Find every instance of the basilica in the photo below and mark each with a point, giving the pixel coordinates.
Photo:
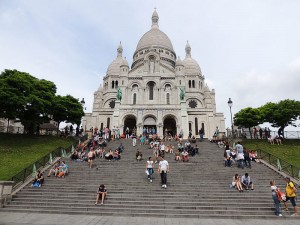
(159, 91)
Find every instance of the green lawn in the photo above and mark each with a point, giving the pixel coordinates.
(288, 151)
(19, 151)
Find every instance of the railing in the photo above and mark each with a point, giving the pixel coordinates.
(280, 164)
(42, 162)
(246, 134)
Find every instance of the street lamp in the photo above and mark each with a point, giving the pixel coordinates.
(230, 105)
(82, 102)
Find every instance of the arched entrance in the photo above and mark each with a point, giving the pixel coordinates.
(170, 126)
(150, 124)
(130, 122)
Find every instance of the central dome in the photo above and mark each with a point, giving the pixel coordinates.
(155, 37)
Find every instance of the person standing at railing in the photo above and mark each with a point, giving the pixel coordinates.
(290, 190)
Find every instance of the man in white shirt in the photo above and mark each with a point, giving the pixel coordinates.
(163, 169)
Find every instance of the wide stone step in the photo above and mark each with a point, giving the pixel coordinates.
(207, 214)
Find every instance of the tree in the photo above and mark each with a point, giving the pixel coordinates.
(34, 101)
(281, 114)
(248, 117)
(68, 109)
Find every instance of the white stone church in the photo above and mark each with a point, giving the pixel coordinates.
(158, 91)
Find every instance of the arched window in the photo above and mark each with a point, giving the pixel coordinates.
(117, 84)
(108, 122)
(113, 84)
(201, 85)
(135, 87)
(151, 89)
(190, 84)
(196, 125)
(193, 84)
(134, 98)
(179, 82)
(168, 98)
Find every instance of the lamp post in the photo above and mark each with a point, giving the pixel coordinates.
(230, 105)
(82, 102)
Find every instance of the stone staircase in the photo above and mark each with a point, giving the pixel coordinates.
(196, 189)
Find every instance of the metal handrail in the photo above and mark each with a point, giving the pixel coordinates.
(279, 163)
(42, 162)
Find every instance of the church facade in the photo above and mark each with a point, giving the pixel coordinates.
(158, 91)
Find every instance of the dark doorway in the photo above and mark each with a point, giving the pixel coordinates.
(130, 122)
(170, 126)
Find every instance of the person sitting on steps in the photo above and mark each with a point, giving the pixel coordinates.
(236, 183)
(101, 193)
(177, 155)
(109, 155)
(39, 179)
(138, 155)
(64, 170)
(185, 156)
(247, 182)
(54, 169)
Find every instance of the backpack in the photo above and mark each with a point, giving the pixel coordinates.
(295, 189)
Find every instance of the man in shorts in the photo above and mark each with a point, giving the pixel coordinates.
(290, 192)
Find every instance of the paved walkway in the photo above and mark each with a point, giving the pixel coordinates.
(9, 218)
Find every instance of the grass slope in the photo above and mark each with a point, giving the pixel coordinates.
(19, 151)
(288, 151)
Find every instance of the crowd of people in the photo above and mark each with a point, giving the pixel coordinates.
(239, 155)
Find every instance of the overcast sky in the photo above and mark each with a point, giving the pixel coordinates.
(247, 50)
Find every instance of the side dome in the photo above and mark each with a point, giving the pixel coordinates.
(124, 62)
(191, 67)
(179, 62)
(114, 67)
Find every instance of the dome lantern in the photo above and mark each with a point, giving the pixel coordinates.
(155, 19)
(120, 49)
(188, 49)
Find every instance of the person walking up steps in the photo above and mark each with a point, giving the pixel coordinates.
(133, 139)
(163, 169)
(275, 191)
(149, 168)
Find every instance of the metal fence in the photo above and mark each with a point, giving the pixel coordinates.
(42, 162)
(280, 164)
(246, 134)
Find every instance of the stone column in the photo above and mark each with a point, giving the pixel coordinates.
(184, 119)
(115, 117)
